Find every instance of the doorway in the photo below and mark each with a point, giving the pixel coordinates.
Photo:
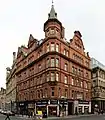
(52, 110)
(70, 108)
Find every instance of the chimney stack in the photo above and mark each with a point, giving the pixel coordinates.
(63, 32)
(14, 56)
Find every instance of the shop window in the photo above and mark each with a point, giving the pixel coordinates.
(57, 47)
(52, 47)
(80, 109)
(52, 62)
(52, 76)
(52, 94)
(86, 109)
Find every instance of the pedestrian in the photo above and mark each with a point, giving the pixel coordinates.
(7, 118)
(76, 111)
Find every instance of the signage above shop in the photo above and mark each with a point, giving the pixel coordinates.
(21, 104)
(31, 105)
(63, 101)
(83, 102)
(53, 101)
(42, 102)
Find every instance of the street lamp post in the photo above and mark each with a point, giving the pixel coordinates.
(11, 105)
(63, 105)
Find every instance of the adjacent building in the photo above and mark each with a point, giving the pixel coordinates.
(98, 85)
(11, 86)
(2, 98)
(53, 73)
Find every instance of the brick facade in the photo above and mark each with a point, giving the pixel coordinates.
(53, 68)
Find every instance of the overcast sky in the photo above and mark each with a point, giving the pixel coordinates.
(19, 18)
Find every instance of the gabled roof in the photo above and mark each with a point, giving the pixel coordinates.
(31, 39)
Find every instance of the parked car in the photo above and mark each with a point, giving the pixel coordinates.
(11, 113)
(4, 112)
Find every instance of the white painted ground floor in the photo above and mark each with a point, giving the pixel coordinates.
(55, 107)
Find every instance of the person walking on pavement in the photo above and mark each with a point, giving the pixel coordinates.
(7, 118)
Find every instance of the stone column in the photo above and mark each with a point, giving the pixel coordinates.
(83, 109)
(57, 110)
(47, 110)
(89, 107)
(35, 108)
(66, 110)
(75, 106)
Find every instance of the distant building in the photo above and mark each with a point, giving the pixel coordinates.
(11, 86)
(2, 98)
(98, 85)
(53, 74)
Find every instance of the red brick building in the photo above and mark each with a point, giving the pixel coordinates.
(53, 73)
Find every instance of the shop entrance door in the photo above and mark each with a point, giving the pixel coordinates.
(52, 110)
(70, 108)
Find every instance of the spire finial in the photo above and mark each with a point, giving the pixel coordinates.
(52, 2)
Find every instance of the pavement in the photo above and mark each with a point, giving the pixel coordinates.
(71, 117)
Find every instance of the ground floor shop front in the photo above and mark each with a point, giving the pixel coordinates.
(98, 105)
(55, 107)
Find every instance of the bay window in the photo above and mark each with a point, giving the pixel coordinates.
(57, 77)
(52, 46)
(57, 62)
(57, 48)
(52, 62)
(48, 48)
(52, 76)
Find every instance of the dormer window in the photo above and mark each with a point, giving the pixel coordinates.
(52, 31)
(47, 33)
